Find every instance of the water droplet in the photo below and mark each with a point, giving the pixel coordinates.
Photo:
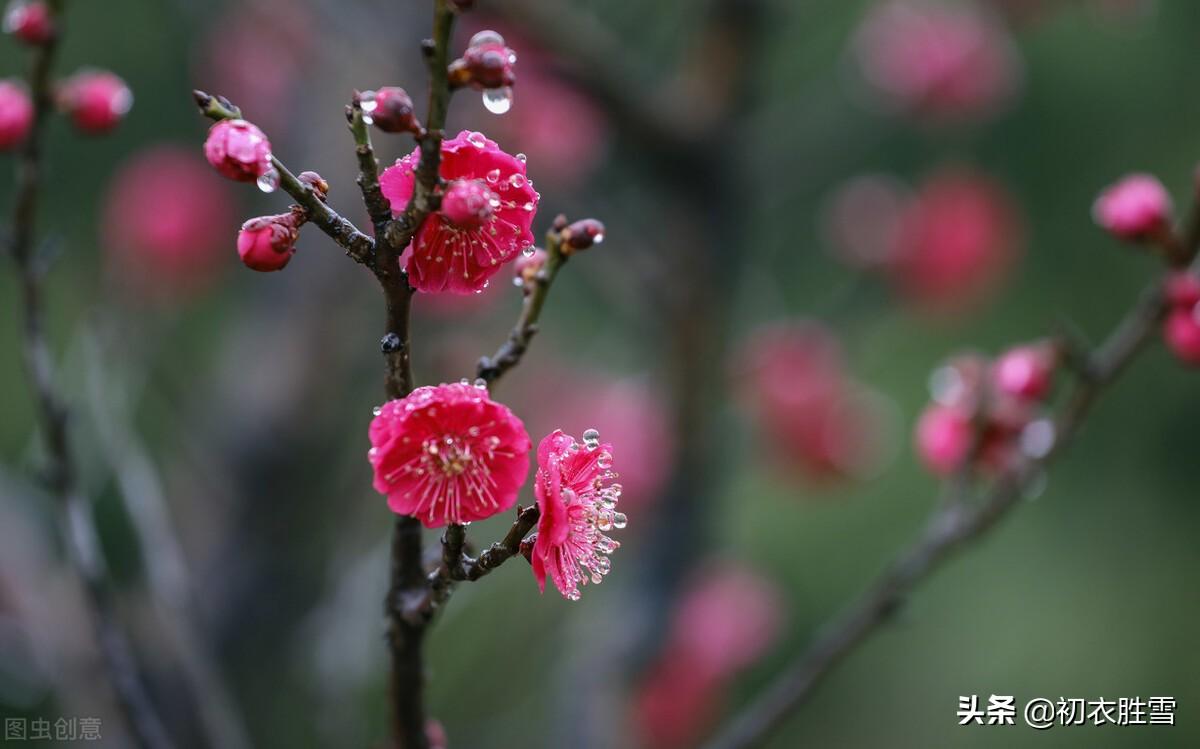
(372, 452)
(498, 100)
(377, 410)
(269, 181)
(464, 381)
(487, 36)
(591, 439)
(528, 207)
(528, 251)
(619, 520)
(518, 281)
(598, 238)
(481, 383)
(1037, 438)
(493, 176)
(521, 158)
(517, 180)
(477, 139)
(573, 595)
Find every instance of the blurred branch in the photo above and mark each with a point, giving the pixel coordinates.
(953, 526)
(357, 245)
(510, 352)
(140, 488)
(77, 522)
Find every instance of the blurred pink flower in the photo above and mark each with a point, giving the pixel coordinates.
(726, 619)
(957, 242)
(943, 438)
(1134, 208)
(578, 501)
(166, 220)
(816, 419)
(940, 61)
(445, 257)
(1181, 330)
(448, 454)
(16, 114)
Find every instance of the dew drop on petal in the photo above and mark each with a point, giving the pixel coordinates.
(518, 281)
(377, 410)
(487, 36)
(528, 251)
(619, 520)
(521, 157)
(481, 383)
(498, 100)
(528, 207)
(268, 181)
(591, 439)
(517, 180)
(493, 176)
(477, 139)
(598, 238)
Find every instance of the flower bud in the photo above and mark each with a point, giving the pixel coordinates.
(1135, 208)
(487, 63)
(1182, 289)
(526, 268)
(1181, 331)
(31, 21)
(943, 438)
(582, 234)
(267, 243)
(391, 110)
(95, 100)
(468, 203)
(238, 150)
(1024, 372)
(316, 183)
(16, 114)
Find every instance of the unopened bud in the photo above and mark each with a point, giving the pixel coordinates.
(582, 234)
(390, 109)
(316, 183)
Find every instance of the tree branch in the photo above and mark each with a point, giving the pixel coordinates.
(357, 245)
(75, 512)
(378, 207)
(953, 526)
(510, 352)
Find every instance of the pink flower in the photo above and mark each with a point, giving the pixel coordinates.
(578, 503)
(726, 619)
(467, 204)
(816, 420)
(943, 438)
(957, 241)
(95, 100)
(1025, 372)
(267, 243)
(445, 257)
(1181, 330)
(16, 114)
(238, 150)
(30, 21)
(1136, 207)
(165, 219)
(448, 454)
(937, 60)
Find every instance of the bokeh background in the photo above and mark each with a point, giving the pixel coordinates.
(879, 185)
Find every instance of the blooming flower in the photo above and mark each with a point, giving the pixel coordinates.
(445, 256)
(578, 501)
(448, 454)
(1134, 208)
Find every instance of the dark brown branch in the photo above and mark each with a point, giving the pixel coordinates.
(953, 526)
(407, 580)
(378, 207)
(358, 246)
(504, 549)
(75, 512)
(510, 352)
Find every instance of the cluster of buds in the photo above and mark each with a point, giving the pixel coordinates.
(1181, 328)
(487, 65)
(267, 243)
(989, 412)
(390, 109)
(94, 100)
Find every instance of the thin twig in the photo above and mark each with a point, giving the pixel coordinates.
(510, 352)
(75, 511)
(378, 207)
(357, 245)
(954, 525)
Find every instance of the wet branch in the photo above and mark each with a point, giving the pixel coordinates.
(952, 527)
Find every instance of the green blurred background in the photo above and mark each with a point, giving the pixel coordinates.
(251, 396)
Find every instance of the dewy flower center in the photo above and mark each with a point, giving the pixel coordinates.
(452, 457)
